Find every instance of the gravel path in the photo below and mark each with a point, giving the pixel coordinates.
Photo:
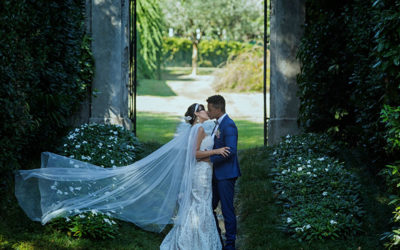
(245, 106)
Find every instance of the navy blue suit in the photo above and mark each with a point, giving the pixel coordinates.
(226, 171)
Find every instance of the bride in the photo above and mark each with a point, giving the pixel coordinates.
(171, 185)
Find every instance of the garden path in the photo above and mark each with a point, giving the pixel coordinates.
(188, 90)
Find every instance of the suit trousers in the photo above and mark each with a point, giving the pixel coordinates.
(223, 191)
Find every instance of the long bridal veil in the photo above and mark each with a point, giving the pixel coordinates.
(151, 193)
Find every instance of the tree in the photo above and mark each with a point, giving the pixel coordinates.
(149, 29)
(222, 19)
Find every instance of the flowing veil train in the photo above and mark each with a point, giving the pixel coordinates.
(150, 193)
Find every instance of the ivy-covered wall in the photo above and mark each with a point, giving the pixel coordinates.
(45, 73)
(350, 57)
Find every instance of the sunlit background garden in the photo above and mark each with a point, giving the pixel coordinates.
(188, 59)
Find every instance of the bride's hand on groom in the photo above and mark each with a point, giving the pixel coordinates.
(224, 151)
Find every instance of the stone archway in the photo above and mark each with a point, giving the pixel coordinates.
(108, 23)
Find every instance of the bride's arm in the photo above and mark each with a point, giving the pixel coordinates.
(201, 155)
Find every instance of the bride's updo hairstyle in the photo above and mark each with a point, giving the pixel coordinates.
(190, 117)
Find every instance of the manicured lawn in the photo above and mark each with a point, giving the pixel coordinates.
(154, 88)
(161, 128)
(152, 127)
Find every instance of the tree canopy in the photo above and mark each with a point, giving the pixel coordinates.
(240, 20)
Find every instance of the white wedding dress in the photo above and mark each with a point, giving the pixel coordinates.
(198, 229)
(168, 186)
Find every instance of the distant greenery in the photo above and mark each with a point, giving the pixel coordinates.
(160, 128)
(150, 24)
(45, 73)
(243, 73)
(240, 20)
(212, 53)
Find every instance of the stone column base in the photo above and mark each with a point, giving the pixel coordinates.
(117, 120)
(279, 127)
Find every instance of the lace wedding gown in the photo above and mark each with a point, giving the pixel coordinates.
(198, 229)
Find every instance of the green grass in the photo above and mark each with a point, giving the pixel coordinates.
(154, 88)
(161, 128)
(259, 214)
(153, 127)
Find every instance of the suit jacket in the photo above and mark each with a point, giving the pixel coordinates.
(226, 167)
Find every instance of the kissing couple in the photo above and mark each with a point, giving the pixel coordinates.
(181, 183)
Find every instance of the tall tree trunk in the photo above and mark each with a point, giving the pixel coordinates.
(194, 58)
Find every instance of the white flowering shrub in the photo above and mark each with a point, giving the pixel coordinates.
(319, 196)
(90, 224)
(105, 146)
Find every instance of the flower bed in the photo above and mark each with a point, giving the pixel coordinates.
(319, 196)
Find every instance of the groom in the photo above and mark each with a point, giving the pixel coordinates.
(226, 169)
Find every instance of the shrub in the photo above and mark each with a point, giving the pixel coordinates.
(343, 85)
(105, 146)
(102, 145)
(319, 197)
(91, 224)
(242, 73)
(391, 117)
(45, 73)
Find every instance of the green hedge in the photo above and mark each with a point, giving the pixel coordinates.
(350, 62)
(178, 51)
(45, 72)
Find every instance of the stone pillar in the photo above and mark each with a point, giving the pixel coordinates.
(108, 24)
(287, 18)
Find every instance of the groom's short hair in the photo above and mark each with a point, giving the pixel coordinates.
(217, 101)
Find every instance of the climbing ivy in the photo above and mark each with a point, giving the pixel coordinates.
(350, 63)
(45, 72)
